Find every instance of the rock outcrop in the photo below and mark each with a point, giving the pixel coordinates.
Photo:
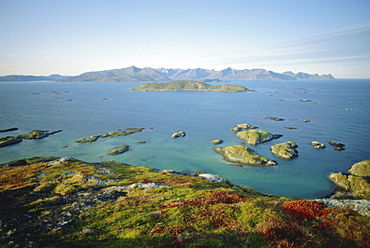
(9, 140)
(356, 183)
(90, 139)
(179, 134)
(285, 150)
(9, 129)
(37, 134)
(255, 137)
(119, 150)
(337, 146)
(217, 141)
(317, 145)
(240, 127)
(240, 154)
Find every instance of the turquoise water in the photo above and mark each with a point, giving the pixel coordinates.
(339, 111)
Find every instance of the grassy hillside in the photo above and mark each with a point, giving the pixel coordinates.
(70, 203)
(181, 85)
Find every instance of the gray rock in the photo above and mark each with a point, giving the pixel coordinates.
(212, 178)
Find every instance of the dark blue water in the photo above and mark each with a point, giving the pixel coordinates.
(338, 111)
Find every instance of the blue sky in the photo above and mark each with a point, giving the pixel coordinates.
(69, 37)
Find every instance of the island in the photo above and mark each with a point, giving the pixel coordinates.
(65, 202)
(183, 85)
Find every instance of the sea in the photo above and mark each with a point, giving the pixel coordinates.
(318, 110)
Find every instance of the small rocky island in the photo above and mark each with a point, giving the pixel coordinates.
(181, 85)
(240, 154)
(255, 137)
(285, 150)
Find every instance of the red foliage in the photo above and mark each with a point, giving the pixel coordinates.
(306, 209)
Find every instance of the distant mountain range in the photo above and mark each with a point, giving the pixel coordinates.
(147, 74)
(53, 77)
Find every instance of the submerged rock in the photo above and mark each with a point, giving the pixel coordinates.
(119, 150)
(241, 154)
(356, 183)
(9, 140)
(275, 118)
(337, 146)
(180, 134)
(317, 145)
(217, 141)
(255, 137)
(285, 150)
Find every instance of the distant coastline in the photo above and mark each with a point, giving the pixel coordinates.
(147, 74)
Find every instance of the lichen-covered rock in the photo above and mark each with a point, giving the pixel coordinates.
(180, 134)
(119, 150)
(9, 140)
(240, 127)
(361, 169)
(317, 145)
(337, 146)
(255, 137)
(357, 183)
(285, 150)
(241, 154)
(217, 141)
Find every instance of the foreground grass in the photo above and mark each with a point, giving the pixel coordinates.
(187, 211)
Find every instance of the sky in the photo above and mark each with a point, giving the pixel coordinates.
(69, 37)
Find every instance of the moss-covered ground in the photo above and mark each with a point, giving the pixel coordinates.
(188, 212)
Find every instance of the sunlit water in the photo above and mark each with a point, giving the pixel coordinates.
(339, 111)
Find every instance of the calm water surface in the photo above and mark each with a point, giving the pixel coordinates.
(338, 111)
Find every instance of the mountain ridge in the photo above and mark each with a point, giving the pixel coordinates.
(148, 74)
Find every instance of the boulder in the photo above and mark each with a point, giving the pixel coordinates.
(285, 150)
(255, 137)
(9, 140)
(356, 183)
(361, 169)
(317, 145)
(119, 150)
(337, 146)
(180, 134)
(217, 141)
(241, 154)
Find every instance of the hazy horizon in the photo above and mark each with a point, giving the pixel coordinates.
(72, 37)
